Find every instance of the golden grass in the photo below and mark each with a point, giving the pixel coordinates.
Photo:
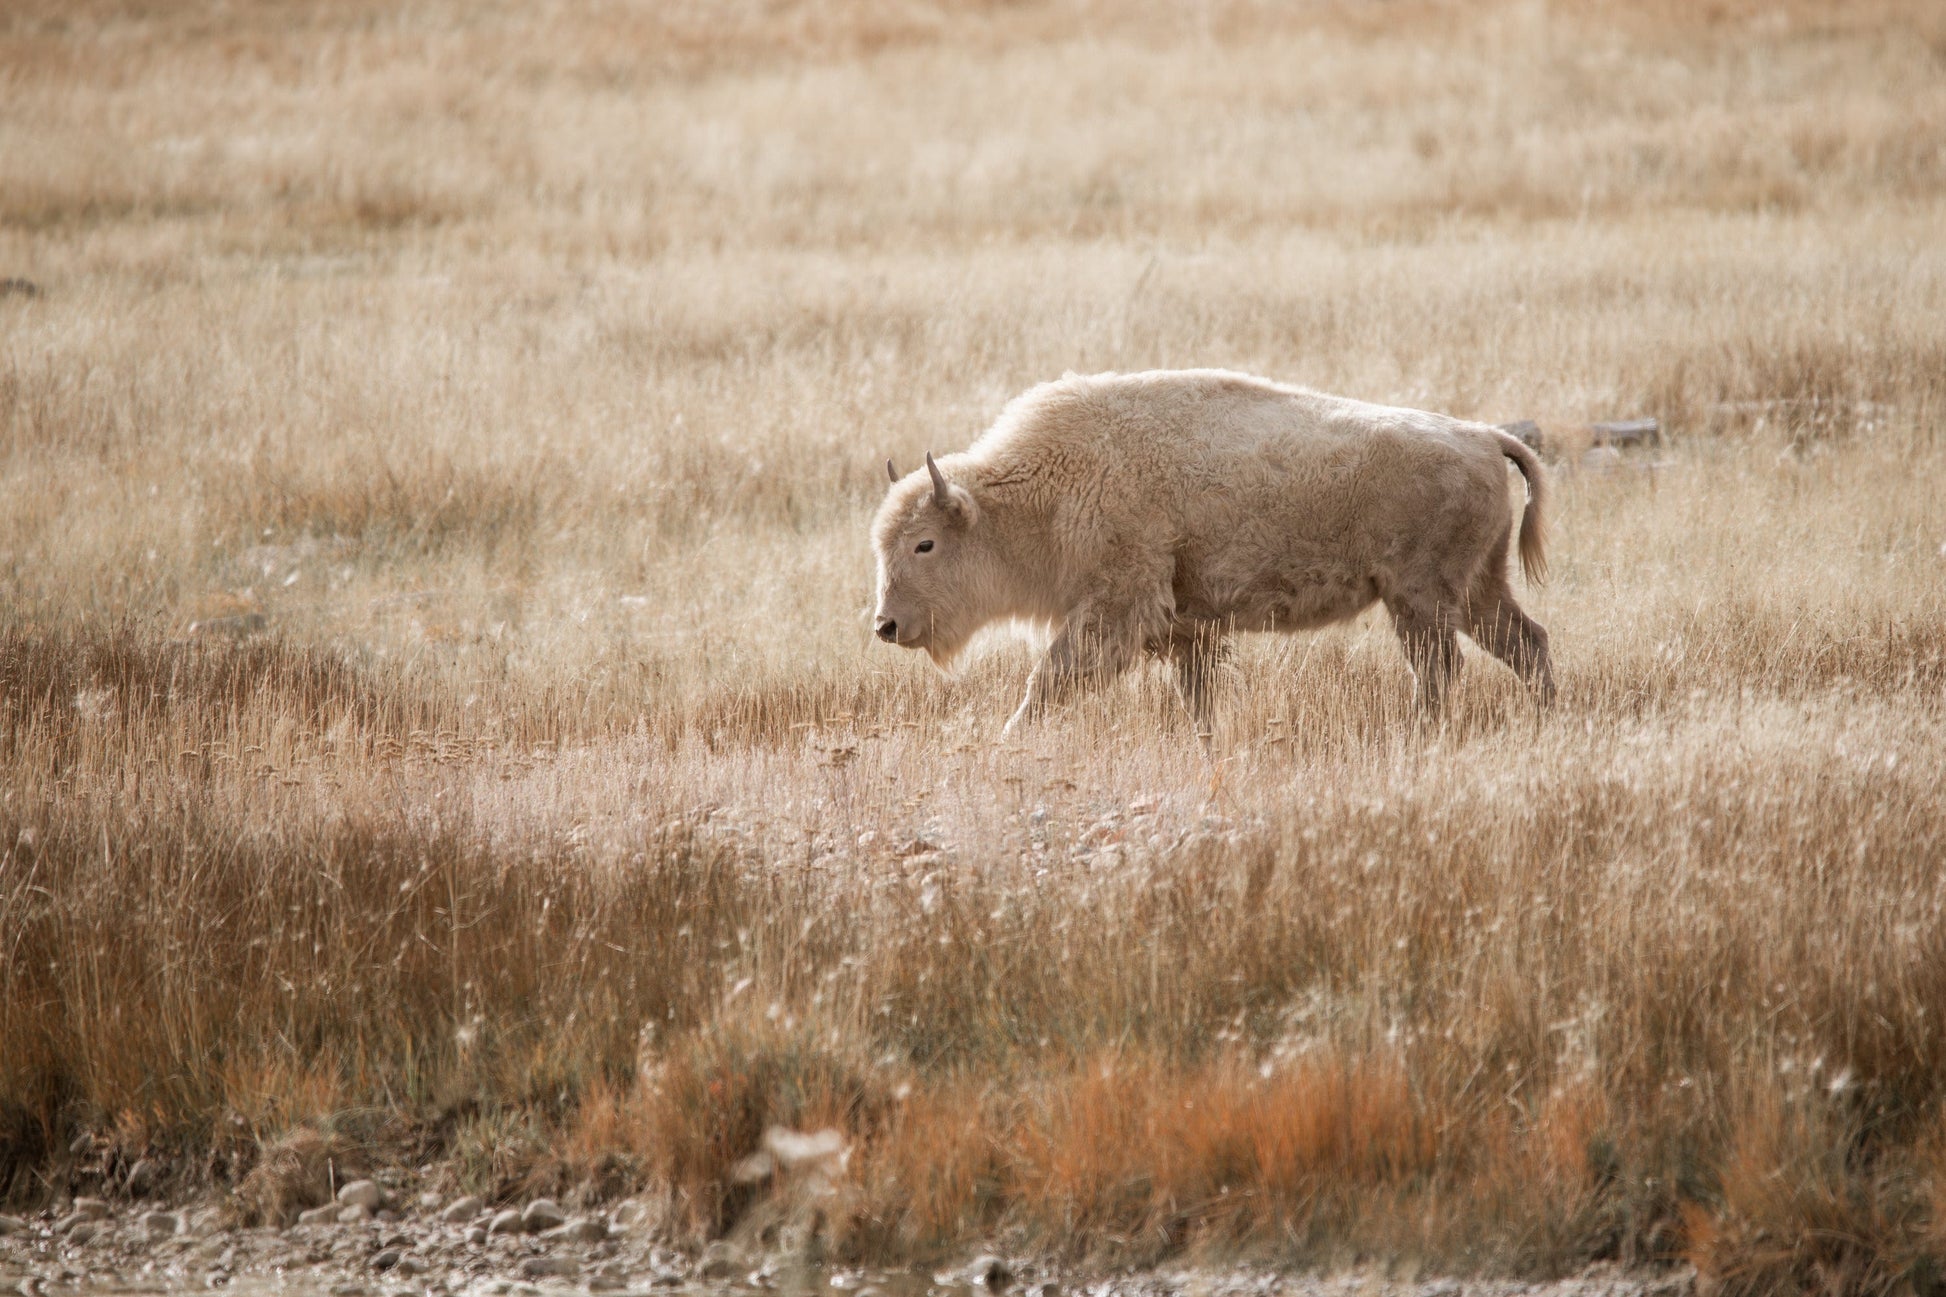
(440, 719)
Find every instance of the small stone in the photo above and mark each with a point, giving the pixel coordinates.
(386, 1215)
(31, 1287)
(989, 1271)
(476, 1236)
(627, 1215)
(12, 1225)
(90, 1208)
(541, 1214)
(506, 1222)
(716, 1262)
(430, 1201)
(387, 1259)
(542, 1267)
(578, 1230)
(461, 1210)
(361, 1193)
(161, 1223)
(142, 1177)
(353, 1214)
(349, 1290)
(321, 1215)
(412, 1263)
(84, 1232)
(755, 1169)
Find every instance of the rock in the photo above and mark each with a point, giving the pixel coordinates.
(12, 1225)
(989, 1271)
(353, 1214)
(430, 1201)
(386, 1215)
(542, 1267)
(794, 1150)
(717, 1262)
(579, 1230)
(83, 1232)
(68, 1222)
(755, 1169)
(361, 1193)
(506, 1222)
(412, 1263)
(476, 1236)
(627, 1215)
(387, 1259)
(320, 1215)
(541, 1215)
(90, 1208)
(142, 1177)
(161, 1223)
(31, 1287)
(462, 1210)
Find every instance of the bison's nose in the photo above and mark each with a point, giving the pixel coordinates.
(888, 630)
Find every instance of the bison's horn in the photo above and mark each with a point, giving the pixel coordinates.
(891, 472)
(939, 494)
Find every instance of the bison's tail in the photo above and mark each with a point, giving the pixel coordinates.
(1533, 526)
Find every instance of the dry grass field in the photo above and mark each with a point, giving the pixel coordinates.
(440, 724)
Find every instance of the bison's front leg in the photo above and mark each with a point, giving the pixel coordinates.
(1086, 652)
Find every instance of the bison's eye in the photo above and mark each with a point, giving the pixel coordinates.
(925, 547)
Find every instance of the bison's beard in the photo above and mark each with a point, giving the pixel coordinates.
(945, 651)
(945, 641)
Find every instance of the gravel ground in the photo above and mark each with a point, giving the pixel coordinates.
(366, 1246)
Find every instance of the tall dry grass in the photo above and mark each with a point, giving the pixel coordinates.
(440, 721)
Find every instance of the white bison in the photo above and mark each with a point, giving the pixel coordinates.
(1156, 512)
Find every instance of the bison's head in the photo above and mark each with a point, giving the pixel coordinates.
(937, 582)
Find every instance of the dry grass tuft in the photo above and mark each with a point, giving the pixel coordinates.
(295, 1172)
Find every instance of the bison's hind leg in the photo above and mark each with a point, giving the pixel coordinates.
(1197, 651)
(1427, 631)
(1498, 625)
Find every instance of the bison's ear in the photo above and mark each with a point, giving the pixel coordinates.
(951, 500)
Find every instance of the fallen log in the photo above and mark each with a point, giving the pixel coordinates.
(1627, 432)
(1614, 432)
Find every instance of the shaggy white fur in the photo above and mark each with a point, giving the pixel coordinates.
(1157, 512)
